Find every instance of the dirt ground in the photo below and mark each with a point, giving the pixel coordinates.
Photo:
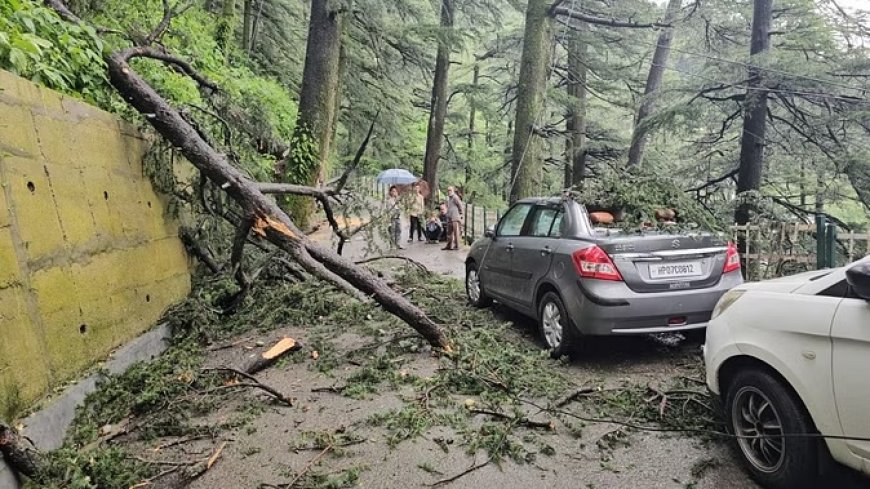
(279, 445)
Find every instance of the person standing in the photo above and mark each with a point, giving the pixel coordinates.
(394, 211)
(445, 223)
(454, 216)
(417, 212)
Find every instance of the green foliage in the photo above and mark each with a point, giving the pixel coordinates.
(301, 167)
(102, 468)
(36, 44)
(641, 191)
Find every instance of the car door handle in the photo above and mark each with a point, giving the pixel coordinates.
(509, 247)
(546, 251)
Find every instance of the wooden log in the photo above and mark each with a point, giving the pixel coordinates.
(254, 363)
(19, 452)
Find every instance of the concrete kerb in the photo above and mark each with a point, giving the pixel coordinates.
(48, 426)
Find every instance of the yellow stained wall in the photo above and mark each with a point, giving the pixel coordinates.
(88, 260)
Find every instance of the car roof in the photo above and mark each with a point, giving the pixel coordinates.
(540, 200)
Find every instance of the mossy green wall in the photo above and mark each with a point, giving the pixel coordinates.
(88, 259)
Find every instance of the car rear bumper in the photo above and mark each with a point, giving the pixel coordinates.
(613, 309)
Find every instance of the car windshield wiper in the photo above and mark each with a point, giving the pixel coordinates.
(821, 275)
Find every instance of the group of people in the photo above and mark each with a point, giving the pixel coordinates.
(441, 224)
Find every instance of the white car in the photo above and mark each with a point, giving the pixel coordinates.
(790, 361)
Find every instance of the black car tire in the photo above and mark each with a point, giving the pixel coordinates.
(797, 465)
(482, 299)
(569, 340)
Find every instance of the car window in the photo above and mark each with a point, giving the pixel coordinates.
(556, 228)
(512, 223)
(542, 221)
(839, 289)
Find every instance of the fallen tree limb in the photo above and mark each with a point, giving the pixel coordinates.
(517, 420)
(574, 395)
(196, 249)
(270, 221)
(311, 463)
(19, 452)
(254, 363)
(254, 382)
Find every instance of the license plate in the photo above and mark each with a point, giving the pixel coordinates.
(675, 270)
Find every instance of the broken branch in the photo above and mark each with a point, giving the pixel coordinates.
(254, 382)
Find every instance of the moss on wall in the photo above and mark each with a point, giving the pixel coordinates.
(88, 259)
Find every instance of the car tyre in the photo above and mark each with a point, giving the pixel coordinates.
(756, 402)
(556, 327)
(474, 290)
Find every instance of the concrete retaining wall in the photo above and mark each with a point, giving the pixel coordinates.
(88, 259)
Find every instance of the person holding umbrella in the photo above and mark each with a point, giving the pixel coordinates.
(454, 217)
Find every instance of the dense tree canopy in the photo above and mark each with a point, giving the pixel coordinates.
(814, 75)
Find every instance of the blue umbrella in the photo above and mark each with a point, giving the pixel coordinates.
(396, 176)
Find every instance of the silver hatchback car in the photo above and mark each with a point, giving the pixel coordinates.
(546, 259)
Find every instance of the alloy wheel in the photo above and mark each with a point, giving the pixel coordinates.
(551, 322)
(759, 428)
(472, 284)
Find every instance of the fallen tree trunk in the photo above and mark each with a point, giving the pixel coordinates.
(18, 452)
(268, 219)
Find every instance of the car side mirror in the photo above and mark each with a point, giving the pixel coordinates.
(490, 232)
(858, 278)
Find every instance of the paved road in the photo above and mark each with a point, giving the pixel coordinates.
(445, 262)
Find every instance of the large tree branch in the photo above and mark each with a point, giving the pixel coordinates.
(271, 222)
(125, 55)
(339, 183)
(710, 183)
(557, 10)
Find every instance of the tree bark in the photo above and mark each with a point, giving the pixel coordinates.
(575, 167)
(18, 452)
(653, 83)
(754, 120)
(526, 164)
(313, 138)
(438, 109)
(472, 115)
(270, 221)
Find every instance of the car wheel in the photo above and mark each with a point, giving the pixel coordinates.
(474, 287)
(557, 329)
(759, 410)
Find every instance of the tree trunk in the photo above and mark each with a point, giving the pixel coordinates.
(755, 113)
(575, 167)
(18, 452)
(247, 22)
(526, 164)
(312, 140)
(438, 110)
(255, 26)
(472, 114)
(226, 26)
(653, 83)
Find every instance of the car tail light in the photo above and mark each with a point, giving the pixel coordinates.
(732, 258)
(593, 262)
